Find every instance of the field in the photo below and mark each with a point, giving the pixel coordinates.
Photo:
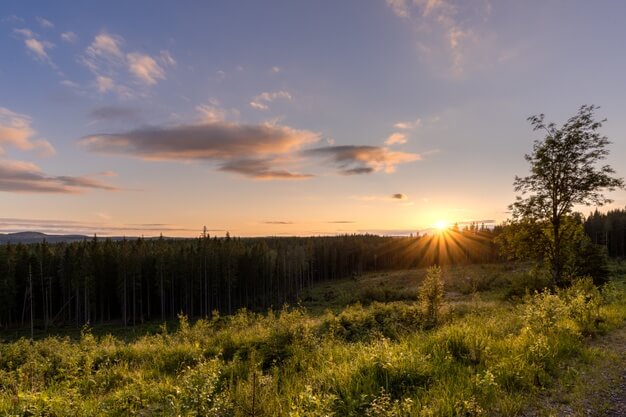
(365, 346)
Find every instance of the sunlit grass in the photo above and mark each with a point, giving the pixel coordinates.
(487, 355)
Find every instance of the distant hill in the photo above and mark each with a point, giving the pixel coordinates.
(36, 237)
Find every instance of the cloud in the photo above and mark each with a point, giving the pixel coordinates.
(211, 112)
(393, 198)
(25, 32)
(105, 46)
(340, 222)
(12, 19)
(277, 222)
(260, 169)
(275, 70)
(260, 102)
(16, 132)
(26, 177)
(396, 138)
(44, 23)
(104, 84)
(266, 151)
(408, 125)
(145, 68)
(115, 113)
(478, 222)
(210, 141)
(106, 59)
(9, 225)
(399, 7)
(69, 83)
(451, 33)
(37, 48)
(354, 160)
(166, 58)
(256, 151)
(69, 37)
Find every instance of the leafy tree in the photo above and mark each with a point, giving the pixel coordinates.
(565, 172)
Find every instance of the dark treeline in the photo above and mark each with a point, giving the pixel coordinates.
(608, 229)
(134, 281)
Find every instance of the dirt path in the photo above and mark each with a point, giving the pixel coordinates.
(614, 372)
(600, 390)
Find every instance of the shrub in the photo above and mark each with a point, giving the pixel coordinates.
(431, 294)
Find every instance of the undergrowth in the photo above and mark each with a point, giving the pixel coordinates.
(400, 358)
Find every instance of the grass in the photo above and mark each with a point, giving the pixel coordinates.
(359, 347)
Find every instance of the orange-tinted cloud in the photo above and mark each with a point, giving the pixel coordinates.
(353, 160)
(261, 169)
(221, 141)
(16, 132)
(26, 177)
(256, 151)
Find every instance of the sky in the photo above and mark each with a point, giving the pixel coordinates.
(290, 117)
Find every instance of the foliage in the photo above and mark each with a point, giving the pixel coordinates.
(431, 294)
(135, 281)
(564, 173)
(375, 360)
(532, 240)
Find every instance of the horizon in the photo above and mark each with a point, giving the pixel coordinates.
(277, 119)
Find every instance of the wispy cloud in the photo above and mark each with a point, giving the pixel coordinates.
(399, 7)
(211, 112)
(145, 68)
(26, 177)
(412, 124)
(104, 46)
(69, 37)
(36, 47)
(104, 84)
(115, 113)
(354, 160)
(397, 198)
(261, 169)
(16, 131)
(55, 226)
(69, 83)
(261, 101)
(396, 139)
(451, 32)
(106, 59)
(45, 23)
(12, 19)
(166, 58)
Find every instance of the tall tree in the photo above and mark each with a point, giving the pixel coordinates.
(565, 172)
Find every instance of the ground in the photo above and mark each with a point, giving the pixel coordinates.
(597, 388)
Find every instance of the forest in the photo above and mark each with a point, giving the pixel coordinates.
(139, 280)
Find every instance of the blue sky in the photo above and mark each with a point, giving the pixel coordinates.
(283, 117)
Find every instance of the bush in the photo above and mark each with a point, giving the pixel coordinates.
(431, 294)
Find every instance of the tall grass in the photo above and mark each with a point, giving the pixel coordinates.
(382, 359)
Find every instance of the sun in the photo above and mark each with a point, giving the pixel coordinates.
(441, 225)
